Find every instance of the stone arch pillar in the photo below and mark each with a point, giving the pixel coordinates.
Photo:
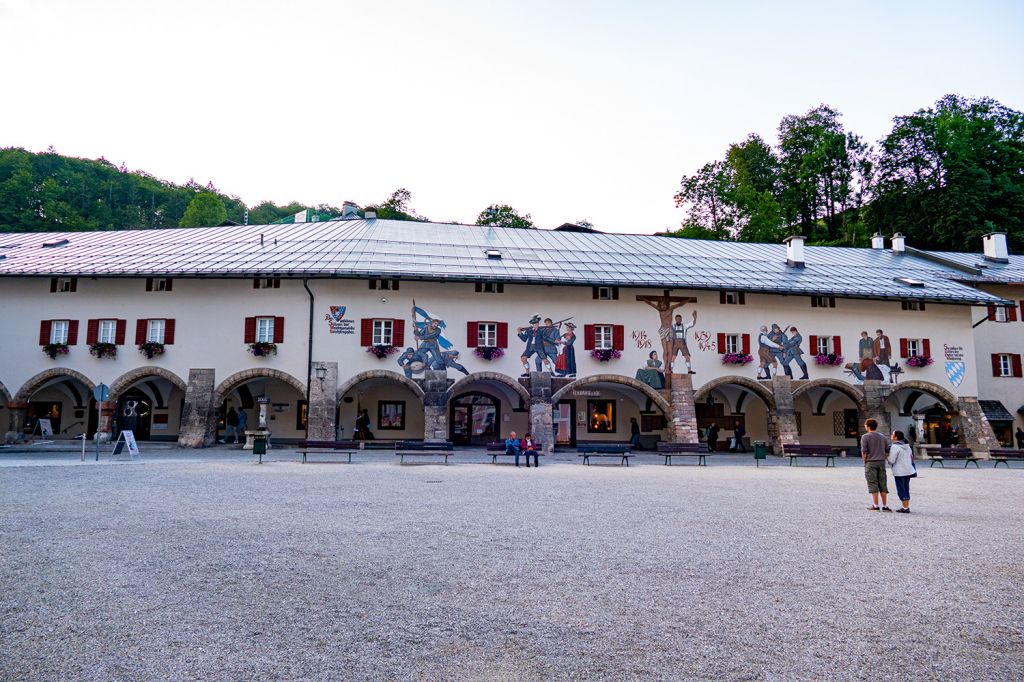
(198, 418)
(782, 426)
(542, 425)
(435, 405)
(684, 411)
(321, 413)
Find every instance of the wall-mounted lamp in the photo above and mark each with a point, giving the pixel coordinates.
(321, 374)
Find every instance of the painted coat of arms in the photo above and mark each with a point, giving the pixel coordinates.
(337, 323)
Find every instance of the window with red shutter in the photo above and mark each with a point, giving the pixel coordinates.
(72, 332)
(1018, 371)
(53, 287)
(992, 313)
(837, 345)
(250, 330)
(398, 333)
(45, 328)
(278, 330)
(904, 349)
(1012, 311)
(366, 331)
(122, 328)
(92, 332)
(589, 333)
(721, 342)
(472, 334)
(168, 332)
(141, 328)
(618, 337)
(503, 335)
(997, 370)
(746, 344)
(926, 348)
(813, 350)
(149, 287)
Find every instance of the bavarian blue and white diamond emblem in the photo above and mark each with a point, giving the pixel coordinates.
(955, 372)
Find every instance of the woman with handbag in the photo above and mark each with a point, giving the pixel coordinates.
(901, 457)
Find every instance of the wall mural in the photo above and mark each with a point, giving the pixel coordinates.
(672, 331)
(874, 359)
(775, 350)
(955, 366)
(433, 351)
(553, 351)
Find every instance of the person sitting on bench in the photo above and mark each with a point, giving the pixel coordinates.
(512, 447)
(528, 445)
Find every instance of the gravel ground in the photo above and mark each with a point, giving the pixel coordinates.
(215, 568)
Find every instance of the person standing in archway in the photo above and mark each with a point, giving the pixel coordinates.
(874, 448)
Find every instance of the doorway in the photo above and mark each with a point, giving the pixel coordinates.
(474, 419)
(564, 418)
(133, 414)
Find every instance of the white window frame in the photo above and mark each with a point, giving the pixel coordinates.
(914, 348)
(487, 334)
(733, 343)
(106, 331)
(264, 330)
(1005, 365)
(1002, 314)
(826, 345)
(156, 331)
(605, 294)
(604, 336)
(59, 331)
(160, 283)
(732, 298)
(64, 284)
(267, 282)
(383, 333)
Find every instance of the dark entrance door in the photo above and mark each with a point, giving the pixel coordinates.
(474, 419)
(134, 411)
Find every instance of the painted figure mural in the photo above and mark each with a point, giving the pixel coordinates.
(651, 373)
(565, 365)
(542, 344)
(874, 359)
(672, 330)
(433, 351)
(775, 350)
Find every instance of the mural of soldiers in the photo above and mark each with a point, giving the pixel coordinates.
(450, 358)
(778, 337)
(412, 361)
(429, 346)
(550, 335)
(533, 337)
(566, 362)
(794, 353)
(766, 354)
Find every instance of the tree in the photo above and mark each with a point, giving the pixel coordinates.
(205, 210)
(754, 190)
(503, 215)
(396, 207)
(948, 174)
(706, 196)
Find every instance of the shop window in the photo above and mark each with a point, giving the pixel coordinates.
(601, 416)
(383, 332)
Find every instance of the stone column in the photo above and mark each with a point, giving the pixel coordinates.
(875, 395)
(683, 420)
(16, 427)
(975, 431)
(323, 403)
(435, 405)
(542, 426)
(198, 417)
(782, 427)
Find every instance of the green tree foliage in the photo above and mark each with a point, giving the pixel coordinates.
(396, 207)
(205, 210)
(952, 172)
(754, 190)
(706, 193)
(503, 215)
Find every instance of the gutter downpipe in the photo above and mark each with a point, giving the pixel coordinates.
(309, 354)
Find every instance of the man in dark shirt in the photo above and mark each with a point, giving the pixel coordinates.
(873, 449)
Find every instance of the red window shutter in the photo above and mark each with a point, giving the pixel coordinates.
(472, 334)
(746, 344)
(170, 285)
(837, 345)
(904, 352)
(140, 331)
(149, 285)
(53, 289)
(814, 345)
(991, 313)
(366, 331)
(397, 333)
(256, 283)
(168, 332)
(373, 284)
(122, 327)
(503, 335)
(92, 332)
(926, 347)
(593, 290)
(1022, 311)
(74, 284)
(72, 332)
(394, 286)
(995, 365)
(1015, 359)
(721, 297)
(250, 330)
(814, 301)
(721, 341)
(1012, 316)
(742, 298)
(45, 329)
(588, 337)
(618, 337)
(277, 282)
(615, 294)
(278, 330)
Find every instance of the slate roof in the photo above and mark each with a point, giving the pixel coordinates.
(446, 252)
(986, 271)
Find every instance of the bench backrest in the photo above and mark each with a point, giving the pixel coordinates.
(695, 448)
(950, 452)
(607, 448)
(336, 444)
(1001, 452)
(421, 446)
(500, 447)
(808, 449)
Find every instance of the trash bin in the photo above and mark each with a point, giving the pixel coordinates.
(760, 451)
(259, 447)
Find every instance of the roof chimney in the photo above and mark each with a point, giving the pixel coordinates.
(369, 214)
(899, 244)
(795, 251)
(995, 247)
(878, 241)
(349, 211)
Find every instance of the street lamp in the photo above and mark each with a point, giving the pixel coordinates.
(321, 374)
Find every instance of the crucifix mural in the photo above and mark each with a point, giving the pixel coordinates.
(672, 330)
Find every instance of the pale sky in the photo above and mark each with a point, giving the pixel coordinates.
(565, 110)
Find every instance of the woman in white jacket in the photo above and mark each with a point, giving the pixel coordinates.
(901, 457)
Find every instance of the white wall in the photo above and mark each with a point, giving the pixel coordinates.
(1000, 337)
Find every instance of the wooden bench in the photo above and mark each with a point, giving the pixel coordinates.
(316, 447)
(940, 455)
(670, 450)
(496, 450)
(795, 452)
(588, 450)
(416, 448)
(1004, 455)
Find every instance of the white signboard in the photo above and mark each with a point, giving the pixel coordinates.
(45, 427)
(126, 438)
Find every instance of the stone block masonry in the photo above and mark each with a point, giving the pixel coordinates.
(198, 417)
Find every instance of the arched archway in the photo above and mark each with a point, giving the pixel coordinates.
(928, 387)
(457, 388)
(125, 381)
(245, 376)
(762, 392)
(380, 374)
(653, 395)
(5, 395)
(41, 379)
(854, 393)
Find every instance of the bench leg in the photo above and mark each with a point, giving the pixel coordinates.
(701, 462)
(830, 459)
(996, 465)
(350, 458)
(668, 460)
(625, 460)
(975, 463)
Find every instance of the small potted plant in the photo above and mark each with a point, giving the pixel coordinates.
(151, 349)
(262, 349)
(102, 349)
(919, 361)
(55, 349)
(381, 350)
(605, 354)
(828, 359)
(489, 352)
(737, 358)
